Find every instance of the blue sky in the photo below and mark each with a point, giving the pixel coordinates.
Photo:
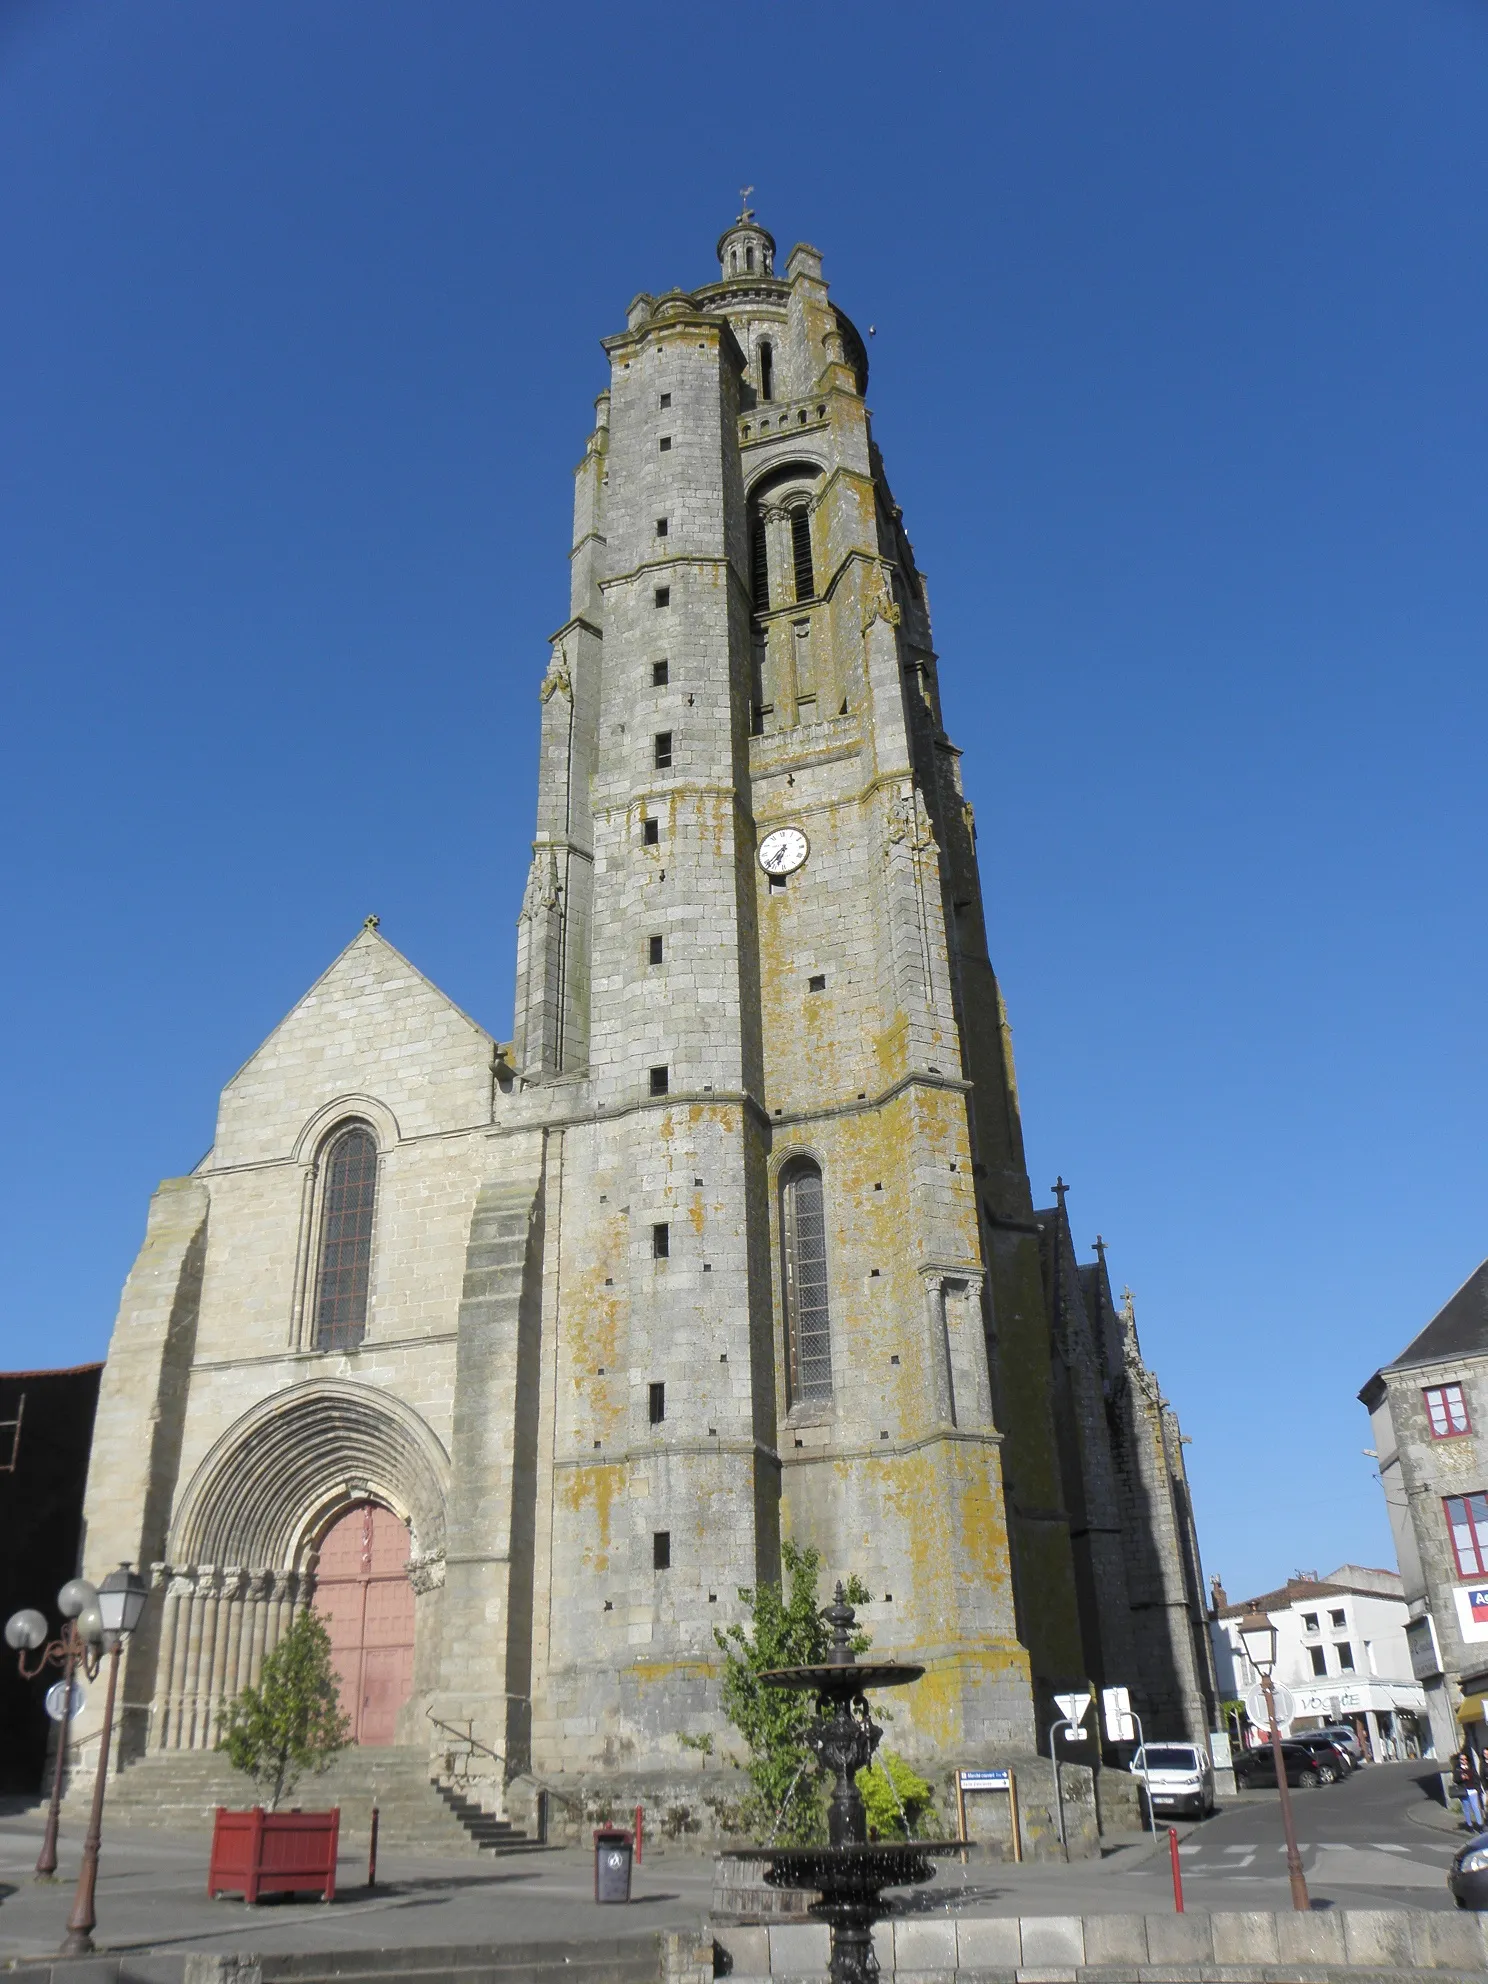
(1178, 374)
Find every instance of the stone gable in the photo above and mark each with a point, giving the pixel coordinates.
(370, 1026)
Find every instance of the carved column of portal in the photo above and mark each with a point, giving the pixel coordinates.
(174, 1612)
(211, 1618)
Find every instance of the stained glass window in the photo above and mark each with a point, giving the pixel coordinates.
(807, 1323)
(341, 1282)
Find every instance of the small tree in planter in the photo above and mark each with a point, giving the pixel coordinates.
(292, 1721)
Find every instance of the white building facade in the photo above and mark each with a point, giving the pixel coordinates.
(1341, 1653)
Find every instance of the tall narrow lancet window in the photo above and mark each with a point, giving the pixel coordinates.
(808, 1329)
(800, 520)
(344, 1268)
(759, 566)
(767, 369)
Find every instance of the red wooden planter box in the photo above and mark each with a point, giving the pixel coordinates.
(261, 1852)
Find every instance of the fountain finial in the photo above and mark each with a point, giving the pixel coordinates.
(840, 1616)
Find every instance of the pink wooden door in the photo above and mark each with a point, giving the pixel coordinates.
(363, 1594)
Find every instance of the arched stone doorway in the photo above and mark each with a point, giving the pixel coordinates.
(363, 1594)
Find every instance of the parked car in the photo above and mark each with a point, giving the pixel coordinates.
(1468, 1878)
(1258, 1767)
(1179, 1777)
(1344, 1735)
(1333, 1761)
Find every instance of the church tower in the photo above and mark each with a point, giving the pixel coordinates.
(751, 963)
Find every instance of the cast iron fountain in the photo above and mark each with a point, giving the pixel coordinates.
(849, 1873)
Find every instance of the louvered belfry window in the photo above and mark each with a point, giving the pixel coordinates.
(344, 1269)
(759, 566)
(800, 519)
(808, 1327)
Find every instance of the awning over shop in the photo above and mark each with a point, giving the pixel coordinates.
(1474, 1709)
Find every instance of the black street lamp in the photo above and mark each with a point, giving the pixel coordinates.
(120, 1605)
(25, 1632)
(1258, 1637)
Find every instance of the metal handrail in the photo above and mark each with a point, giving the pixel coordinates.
(465, 1736)
(468, 1736)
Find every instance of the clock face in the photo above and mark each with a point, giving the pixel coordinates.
(783, 851)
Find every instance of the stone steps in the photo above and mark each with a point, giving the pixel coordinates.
(179, 1791)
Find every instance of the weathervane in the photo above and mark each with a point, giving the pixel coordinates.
(744, 193)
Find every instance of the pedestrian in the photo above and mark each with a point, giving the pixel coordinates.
(1466, 1783)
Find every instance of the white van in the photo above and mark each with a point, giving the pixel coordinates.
(1179, 1778)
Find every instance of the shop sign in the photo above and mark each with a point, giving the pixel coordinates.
(1472, 1610)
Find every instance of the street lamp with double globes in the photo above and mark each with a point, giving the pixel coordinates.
(118, 1608)
(1258, 1637)
(25, 1632)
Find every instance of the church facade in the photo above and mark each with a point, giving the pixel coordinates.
(519, 1360)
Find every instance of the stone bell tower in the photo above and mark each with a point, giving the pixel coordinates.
(754, 1007)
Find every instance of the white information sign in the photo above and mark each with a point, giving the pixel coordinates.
(58, 1705)
(1121, 1725)
(1255, 1706)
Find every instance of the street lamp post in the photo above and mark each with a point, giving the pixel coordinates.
(1258, 1637)
(120, 1604)
(25, 1632)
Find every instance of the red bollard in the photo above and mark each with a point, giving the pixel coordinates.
(372, 1852)
(640, 1820)
(1177, 1870)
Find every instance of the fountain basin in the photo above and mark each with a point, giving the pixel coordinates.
(851, 1871)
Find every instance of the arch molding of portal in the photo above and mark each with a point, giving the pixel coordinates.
(273, 1482)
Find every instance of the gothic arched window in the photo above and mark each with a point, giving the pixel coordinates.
(803, 1226)
(342, 1274)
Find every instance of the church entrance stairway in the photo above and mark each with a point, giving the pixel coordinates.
(180, 1792)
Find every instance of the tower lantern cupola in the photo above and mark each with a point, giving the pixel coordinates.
(746, 249)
